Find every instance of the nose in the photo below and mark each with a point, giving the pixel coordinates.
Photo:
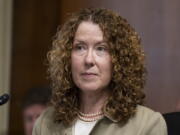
(89, 58)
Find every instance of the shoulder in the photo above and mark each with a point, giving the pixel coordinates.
(47, 116)
(145, 113)
(45, 122)
(144, 122)
(149, 121)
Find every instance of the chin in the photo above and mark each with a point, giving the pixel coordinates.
(90, 89)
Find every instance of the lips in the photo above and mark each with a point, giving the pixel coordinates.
(89, 75)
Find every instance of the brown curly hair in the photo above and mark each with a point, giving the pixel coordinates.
(129, 70)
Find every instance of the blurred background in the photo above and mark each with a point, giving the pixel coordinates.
(27, 28)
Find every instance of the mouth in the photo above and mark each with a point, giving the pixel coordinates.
(89, 75)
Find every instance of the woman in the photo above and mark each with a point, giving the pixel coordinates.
(98, 73)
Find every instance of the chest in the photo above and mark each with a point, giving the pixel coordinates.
(100, 128)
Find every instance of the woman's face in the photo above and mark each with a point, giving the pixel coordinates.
(90, 59)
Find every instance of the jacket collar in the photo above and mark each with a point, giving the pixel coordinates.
(109, 116)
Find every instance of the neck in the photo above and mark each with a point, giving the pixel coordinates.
(92, 102)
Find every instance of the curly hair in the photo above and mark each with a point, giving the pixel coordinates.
(129, 71)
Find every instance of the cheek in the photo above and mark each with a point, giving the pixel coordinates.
(108, 72)
(106, 63)
(107, 68)
(75, 65)
(28, 122)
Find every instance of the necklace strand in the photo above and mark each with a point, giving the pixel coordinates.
(91, 114)
(90, 117)
(86, 119)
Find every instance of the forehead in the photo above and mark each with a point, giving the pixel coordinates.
(35, 108)
(88, 28)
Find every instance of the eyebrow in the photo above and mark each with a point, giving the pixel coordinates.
(79, 41)
(99, 42)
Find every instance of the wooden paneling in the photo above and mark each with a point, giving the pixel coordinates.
(70, 6)
(157, 22)
(34, 24)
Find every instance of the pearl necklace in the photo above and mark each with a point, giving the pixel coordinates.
(90, 117)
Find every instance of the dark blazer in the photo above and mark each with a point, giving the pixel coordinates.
(173, 123)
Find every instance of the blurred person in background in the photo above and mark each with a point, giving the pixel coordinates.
(173, 120)
(178, 106)
(34, 103)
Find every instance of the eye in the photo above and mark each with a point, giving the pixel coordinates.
(101, 48)
(78, 47)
